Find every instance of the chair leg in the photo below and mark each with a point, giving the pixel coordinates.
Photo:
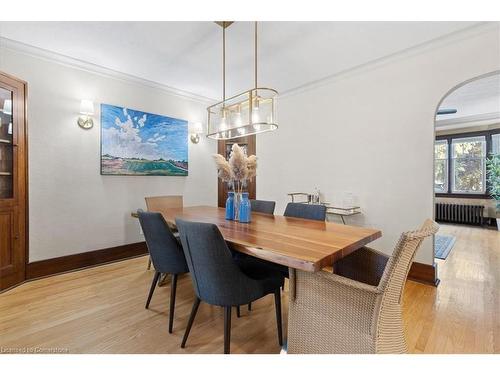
(227, 329)
(194, 310)
(149, 263)
(277, 303)
(249, 306)
(238, 313)
(173, 288)
(152, 289)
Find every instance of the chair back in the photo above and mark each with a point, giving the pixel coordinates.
(306, 211)
(158, 204)
(265, 207)
(397, 268)
(217, 280)
(165, 251)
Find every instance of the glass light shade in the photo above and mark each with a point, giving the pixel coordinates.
(7, 107)
(197, 128)
(87, 107)
(251, 112)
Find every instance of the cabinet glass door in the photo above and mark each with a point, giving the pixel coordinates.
(6, 145)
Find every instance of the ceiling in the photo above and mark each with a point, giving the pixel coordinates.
(477, 103)
(187, 55)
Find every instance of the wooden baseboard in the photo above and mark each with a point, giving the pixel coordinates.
(73, 262)
(424, 273)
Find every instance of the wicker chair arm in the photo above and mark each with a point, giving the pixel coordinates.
(349, 282)
(336, 279)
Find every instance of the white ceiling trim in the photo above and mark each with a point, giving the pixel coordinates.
(58, 58)
(403, 54)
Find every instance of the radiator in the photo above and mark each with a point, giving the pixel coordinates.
(459, 213)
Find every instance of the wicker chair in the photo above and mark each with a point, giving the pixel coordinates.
(358, 309)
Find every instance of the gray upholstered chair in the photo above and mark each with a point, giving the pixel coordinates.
(357, 309)
(219, 280)
(264, 207)
(306, 211)
(161, 203)
(165, 252)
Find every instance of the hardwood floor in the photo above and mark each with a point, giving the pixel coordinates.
(101, 310)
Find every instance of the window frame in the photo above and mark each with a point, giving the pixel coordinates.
(449, 138)
(447, 164)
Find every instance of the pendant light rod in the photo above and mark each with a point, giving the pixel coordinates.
(255, 62)
(223, 63)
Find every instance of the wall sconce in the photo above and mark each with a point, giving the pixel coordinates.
(196, 130)
(87, 110)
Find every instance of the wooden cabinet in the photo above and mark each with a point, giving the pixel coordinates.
(13, 178)
(224, 148)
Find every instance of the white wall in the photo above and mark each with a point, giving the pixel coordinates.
(72, 208)
(371, 132)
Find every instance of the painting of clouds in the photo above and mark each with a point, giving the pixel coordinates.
(135, 143)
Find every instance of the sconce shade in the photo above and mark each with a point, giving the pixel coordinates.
(7, 107)
(197, 128)
(87, 107)
(248, 113)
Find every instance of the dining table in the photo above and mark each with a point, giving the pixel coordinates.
(308, 245)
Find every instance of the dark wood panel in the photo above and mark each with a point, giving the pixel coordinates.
(424, 273)
(250, 144)
(308, 245)
(73, 262)
(6, 240)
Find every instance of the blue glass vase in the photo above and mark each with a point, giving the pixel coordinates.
(230, 206)
(245, 209)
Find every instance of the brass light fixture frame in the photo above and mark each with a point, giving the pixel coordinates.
(252, 99)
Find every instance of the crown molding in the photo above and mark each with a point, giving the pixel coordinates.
(456, 36)
(61, 59)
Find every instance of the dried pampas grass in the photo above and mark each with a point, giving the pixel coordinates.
(238, 163)
(238, 169)
(223, 168)
(252, 166)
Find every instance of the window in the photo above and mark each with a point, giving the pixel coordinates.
(441, 166)
(460, 163)
(468, 165)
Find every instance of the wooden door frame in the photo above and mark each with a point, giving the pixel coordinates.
(26, 176)
(221, 149)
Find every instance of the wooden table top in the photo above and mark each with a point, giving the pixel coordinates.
(302, 244)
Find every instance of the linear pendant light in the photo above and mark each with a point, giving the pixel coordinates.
(250, 112)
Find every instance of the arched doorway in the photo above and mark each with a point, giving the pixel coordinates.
(467, 135)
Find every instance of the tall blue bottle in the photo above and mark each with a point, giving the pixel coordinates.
(245, 209)
(230, 206)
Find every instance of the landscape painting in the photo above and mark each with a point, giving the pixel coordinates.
(135, 143)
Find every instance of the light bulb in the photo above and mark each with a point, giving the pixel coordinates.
(237, 119)
(223, 125)
(255, 117)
